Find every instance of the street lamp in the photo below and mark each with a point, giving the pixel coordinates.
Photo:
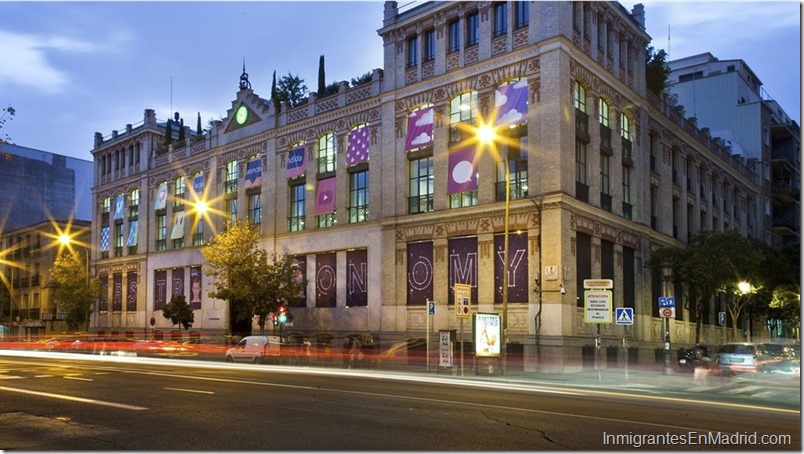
(667, 276)
(745, 288)
(66, 240)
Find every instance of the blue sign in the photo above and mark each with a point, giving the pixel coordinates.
(667, 301)
(431, 308)
(624, 315)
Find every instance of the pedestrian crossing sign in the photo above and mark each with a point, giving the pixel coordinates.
(624, 315)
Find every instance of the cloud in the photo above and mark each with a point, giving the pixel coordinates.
(520, 84)
(512, 116)
(421, 139)
(499, 99)
(426, 119)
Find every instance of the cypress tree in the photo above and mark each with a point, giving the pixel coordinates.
(198, 130)
(181, 130)
(275, 94)
(169, 132)
(322, 86)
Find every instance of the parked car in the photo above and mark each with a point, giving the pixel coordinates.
(778, 350)
(255, 349)
(743, 357)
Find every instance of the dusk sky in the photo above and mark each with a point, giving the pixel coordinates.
(71, 69)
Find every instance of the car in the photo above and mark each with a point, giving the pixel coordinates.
(254, 349)
(743, 357)
(778, 350)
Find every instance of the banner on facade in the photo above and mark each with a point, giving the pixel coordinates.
(133, 231)
(177, 274)
(131, 294)
(356, 277)
(160, 289)
(462, 170)
(178, 226)
(325, 280)
(420, 128)
(117, 292)
(195, 287)
(420, 273)
(160, 201)
(511, 102)
(104, 240)
(254, 173)
(358, 149)
(301, 275)
(198, 185)
(462, 265)
(517, 267)
(119, 201)
(297, 162)
(103, 304)
(325, 197)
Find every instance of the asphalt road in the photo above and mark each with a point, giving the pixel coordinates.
(146, 404)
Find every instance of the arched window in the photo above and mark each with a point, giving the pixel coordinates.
(326, 153)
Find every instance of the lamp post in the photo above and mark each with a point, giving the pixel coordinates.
(667, 276)
(746, 289)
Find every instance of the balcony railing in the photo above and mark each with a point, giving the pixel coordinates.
(296, 223)
(230, 186)
(605, 140)
(605, 201)
(582, 125)
(357, 214)
(627, 211)
(519, 189)
(420, 204)
(581, 192)
(326, 164)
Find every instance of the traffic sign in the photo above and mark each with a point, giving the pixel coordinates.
(431, 307)
(667, 312)
(598, 283)
(463, 300)
(721, 318)
(667, 301)
(624, 316)
(597, 306)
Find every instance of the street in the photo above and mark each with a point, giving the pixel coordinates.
(93, 403)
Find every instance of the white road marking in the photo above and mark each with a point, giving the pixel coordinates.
(699, 389)
(9, 377)
(78, 378)
(73, 398)
(190, 390)
(744, 389)
(43, 376)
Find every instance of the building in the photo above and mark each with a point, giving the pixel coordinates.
(38, 186)
(386, 199)
(26, 294)
(726, 98)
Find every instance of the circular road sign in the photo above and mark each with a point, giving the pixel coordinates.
(667, 312)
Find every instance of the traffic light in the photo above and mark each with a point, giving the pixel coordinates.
(283, 314)
(274, 319)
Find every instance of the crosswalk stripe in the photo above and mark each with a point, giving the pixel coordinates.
(744, 389)
(9, 377)
(699, 389)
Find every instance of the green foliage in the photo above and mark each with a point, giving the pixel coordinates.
(275, 95)
(331, 89)
(656, 71)
(169, 132)
(74, 292)
(179, 312)
(322, 89)
(364, 79)
(181, 131)
(198, 131)
(6, 115)
(292, 90)
(243, 274)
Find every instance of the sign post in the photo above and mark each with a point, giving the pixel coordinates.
(624, 316)
(430, 312)
(597, 309)
(463, 308)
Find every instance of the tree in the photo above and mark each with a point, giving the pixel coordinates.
(292, 90)
(74, 292)
(199, 133)
(179, 312)
(6, 115)
(181, 131)
(275, 95)
(169, 132)
(657, 71)
(279, 282)
(365, 78)
(322, 84)
(708, 265)
(232, 257)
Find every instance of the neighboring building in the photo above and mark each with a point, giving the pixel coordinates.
(38, 186)
(726, 98)
(381, 195)
(27, 292)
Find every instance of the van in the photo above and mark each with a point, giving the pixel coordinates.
(254, 349)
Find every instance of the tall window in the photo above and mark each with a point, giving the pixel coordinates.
(627, 184)
(134, 206)
(421, 185)
(603, 113)
(517, 167)
(625, 127)
(230, 184)
(161, 232)
(500, 18)
(326, 153)
(231, 211)
(413, 51)
(178, 192)
(580, 162)
(454, 36)
(605, 171)
(118, 240)
(107, 205)
(358, 197)
(429, 45)
(463, 108)
(472, 29)
(579, 97)
(255, 209)
(198, 231)
(521, 14)
(298, 211)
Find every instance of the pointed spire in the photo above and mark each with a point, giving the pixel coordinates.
(244, 83)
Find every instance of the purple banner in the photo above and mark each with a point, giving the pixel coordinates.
(131, 291)
(511, 102)
(160, 289)
(254, 173)
(420, 129)
(117, 293)
(420, 273)
(517, 267)
(325, 282)
(297, 162)
(358, 149)
(462, 171)
(178, 282)
(325, 196)
(463, 266)
(104, 297)
(195, 287)
(301, 264)
(356, 277)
